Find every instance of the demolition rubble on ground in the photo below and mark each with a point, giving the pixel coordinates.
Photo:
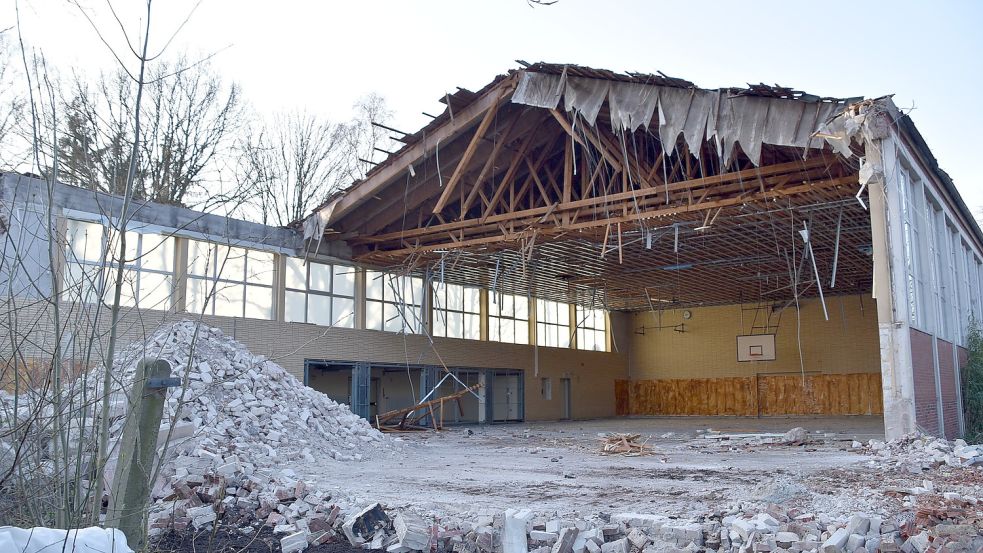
(241, 416)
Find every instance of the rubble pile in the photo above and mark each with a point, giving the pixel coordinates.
(238, 418)
(920, 451)
(770, 529)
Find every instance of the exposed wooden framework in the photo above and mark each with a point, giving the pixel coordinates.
(534, 200)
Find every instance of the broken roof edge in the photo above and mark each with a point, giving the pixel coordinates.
(907, 125)
(336, 207)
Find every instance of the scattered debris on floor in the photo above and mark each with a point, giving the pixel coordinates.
(624, 444)
(413, 418)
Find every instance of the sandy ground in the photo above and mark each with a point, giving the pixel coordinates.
(557, 467)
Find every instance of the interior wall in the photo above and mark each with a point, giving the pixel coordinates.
(696, 372)
(847, 343)
(335, 384)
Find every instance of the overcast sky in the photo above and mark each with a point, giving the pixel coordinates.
(323, 55)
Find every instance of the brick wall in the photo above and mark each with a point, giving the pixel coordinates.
(592, 373)
(923, 371)
(950, 399)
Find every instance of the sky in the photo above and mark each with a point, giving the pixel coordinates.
(321, 56)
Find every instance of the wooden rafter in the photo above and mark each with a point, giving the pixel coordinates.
(468, 153)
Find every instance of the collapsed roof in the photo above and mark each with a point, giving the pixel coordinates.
(627, 191)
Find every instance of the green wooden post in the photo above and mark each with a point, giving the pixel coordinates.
(131, 487)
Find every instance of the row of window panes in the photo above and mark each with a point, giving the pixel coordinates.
(236, 282)
(945, 275)
(591, 329)
(393, 303)
(229, 281)
(319, 293)
(91, 257)
(552, 324)
(457, 311)
(508, 318)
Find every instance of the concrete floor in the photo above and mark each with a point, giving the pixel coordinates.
(557, 466)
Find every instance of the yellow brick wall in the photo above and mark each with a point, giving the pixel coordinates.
(289, 344)
(847, 343)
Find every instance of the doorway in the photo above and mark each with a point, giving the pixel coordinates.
(566, 392)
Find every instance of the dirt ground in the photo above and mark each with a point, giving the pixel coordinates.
(557, 466)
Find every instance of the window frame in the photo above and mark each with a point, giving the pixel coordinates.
(307, 291)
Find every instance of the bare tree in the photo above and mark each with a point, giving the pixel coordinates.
(11, 106)
(295, 163)
(191, 117)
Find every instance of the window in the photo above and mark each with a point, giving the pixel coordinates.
(937, 277)
(910, 192)
(974, 284)
(591, 329)
(91, 257)
(229, 281)
(508, 318)
(546, 388)
(552, 324)
(456, 311)
(393, 303)
(319, 293)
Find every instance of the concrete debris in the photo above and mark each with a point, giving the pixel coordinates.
(919, 452)
(796, 436)
(228, 431)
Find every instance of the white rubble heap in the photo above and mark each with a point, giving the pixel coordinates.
(741, 528)
(241, 417)
(920, 452)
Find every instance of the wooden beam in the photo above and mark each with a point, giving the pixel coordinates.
(468, 153)
(635, 195)
(399, 163)
(649, 214)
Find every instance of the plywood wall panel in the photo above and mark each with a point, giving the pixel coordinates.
(765, 395)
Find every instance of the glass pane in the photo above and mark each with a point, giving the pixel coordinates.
(296, 274)
(259, 302)
(231, 264)
(157, 253)
(343, 312)
(320, 277)
(81, 283)
(260, 268)
(155, 291)
(319, 309)
(373, 315)
(563, 314)
(414, 320)
(374, 285)
(294, 307)
(472, 300)
(563, 336)
(84, 241)
(228, 299)
(440, 323)
(200, 258)
(132, 245)
(507, 330)
(393, 319)
(344, 280)
(521, 307)
(494, 329)
(128, 290)
(198, 290)
(472, 327)
(455, 325)
(522, 332)
(412, 291)
(455, 297)
(600, 341)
